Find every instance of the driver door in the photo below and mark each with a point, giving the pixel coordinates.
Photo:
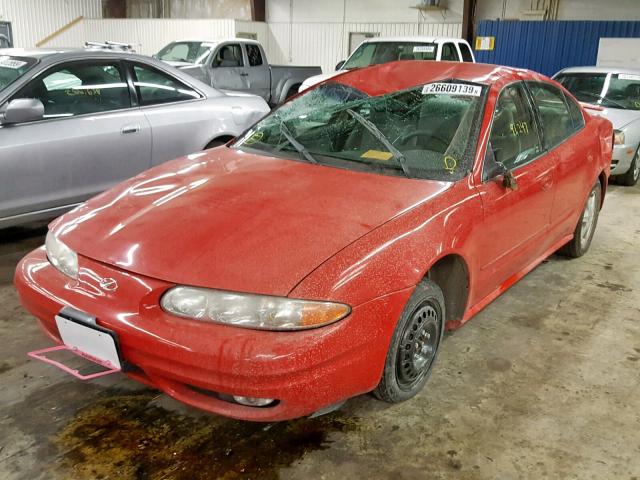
(228, 69)
(516, 222)
(89, 139)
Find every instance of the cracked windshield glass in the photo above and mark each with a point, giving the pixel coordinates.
(427, 131)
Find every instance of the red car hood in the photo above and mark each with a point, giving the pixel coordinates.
(237, 221)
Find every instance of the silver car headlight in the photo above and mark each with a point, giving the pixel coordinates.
(251, 311)
(61, 256)
(618, 137)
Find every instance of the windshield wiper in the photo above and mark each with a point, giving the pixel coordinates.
(296, 144)
(600, 97)
(397, 154)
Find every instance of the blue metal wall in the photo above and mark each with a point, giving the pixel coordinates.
(547, 47)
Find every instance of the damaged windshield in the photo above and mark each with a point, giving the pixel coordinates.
(428, 131)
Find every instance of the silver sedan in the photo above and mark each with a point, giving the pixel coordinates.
(617, 90)
(75, 122)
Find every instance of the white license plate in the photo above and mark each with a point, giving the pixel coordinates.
(89, 343)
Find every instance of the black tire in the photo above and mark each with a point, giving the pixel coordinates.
(292, 91)
(583, 234)
(630, 178)
(216, 143)
(414, 346)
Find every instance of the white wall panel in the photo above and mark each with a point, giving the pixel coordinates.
(32, 20)
(146, 35)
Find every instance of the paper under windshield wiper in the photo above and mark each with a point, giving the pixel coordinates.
(397, 154)
(296, 144)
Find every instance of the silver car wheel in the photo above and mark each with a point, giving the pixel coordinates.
(588, 220)
(636, 168)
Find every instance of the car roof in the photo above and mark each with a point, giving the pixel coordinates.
(414, 39)
(600, 69)
(401, 75)
(55, 55)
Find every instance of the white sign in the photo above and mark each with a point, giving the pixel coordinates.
(452, 89)
(424, 49)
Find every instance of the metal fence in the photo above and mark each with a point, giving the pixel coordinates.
(549, 46)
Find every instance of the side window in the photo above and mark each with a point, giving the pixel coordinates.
(557, 121)
(576, 113)
(155, 87)
(514, 135)
(79, 88)
(229, 56)
(255, 57)
(449, 52)
(466, 52)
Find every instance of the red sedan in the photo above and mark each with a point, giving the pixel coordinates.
(322, 254)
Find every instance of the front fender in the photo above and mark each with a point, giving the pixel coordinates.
(398, 254)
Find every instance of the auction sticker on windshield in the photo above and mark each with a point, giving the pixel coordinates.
(452, 89)
(424, 49)
(9, 62)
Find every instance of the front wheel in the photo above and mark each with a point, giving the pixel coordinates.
(583, 234)
(414, 345)
(630, 178)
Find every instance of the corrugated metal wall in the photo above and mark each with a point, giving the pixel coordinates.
(547, 47)
(322, 44)
(33, 20)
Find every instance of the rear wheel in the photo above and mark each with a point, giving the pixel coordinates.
(630, 178)
(414, 345)
(583, 234)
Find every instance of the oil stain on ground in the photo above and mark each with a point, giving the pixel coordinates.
(125, 436)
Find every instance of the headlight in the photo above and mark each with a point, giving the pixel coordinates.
(61, 256)
(618, 137)
(251, 311)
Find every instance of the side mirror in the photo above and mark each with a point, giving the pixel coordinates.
(494, 168)
(23, 110)
(155, 55)
(340, 64)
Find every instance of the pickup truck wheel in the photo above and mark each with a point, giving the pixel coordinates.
(292, 91)
(217, 142)
(583, 234)
(414, 345)
(630, 178)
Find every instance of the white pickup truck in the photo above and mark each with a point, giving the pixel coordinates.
(236, 64)
(377, 50)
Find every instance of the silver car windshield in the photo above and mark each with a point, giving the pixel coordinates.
(373, 53)
(613, 90)
(191, 52)
(12, 68)
(428, 131)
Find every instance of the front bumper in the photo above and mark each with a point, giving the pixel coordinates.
(305, 371)
(622, 158)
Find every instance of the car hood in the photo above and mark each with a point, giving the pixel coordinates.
(178, 64)
(314, 80)
(619, 117)
(234, 220)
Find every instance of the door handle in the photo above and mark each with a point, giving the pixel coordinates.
(130, 129)
(244, 74)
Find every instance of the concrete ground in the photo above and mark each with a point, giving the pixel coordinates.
(543, 384)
